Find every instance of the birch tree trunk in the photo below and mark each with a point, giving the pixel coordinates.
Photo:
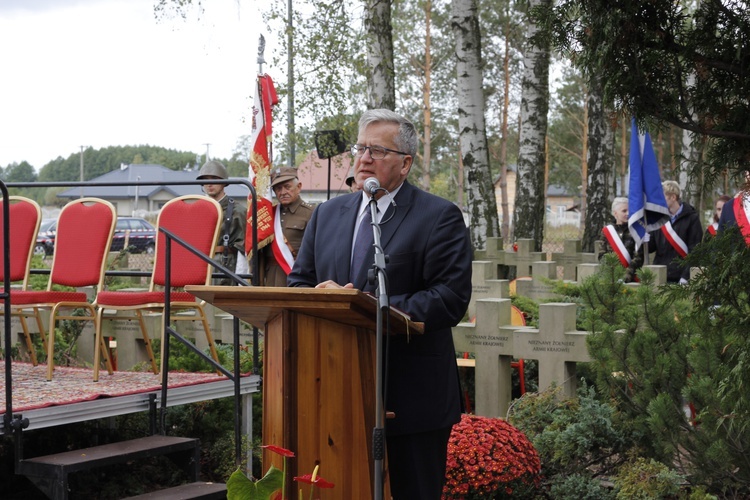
(690, 162)
(600, 162)
(505, 225)
(426, 158)
(479, 188)
(528, 217)
(381, 87)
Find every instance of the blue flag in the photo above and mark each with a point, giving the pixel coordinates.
(647, 206)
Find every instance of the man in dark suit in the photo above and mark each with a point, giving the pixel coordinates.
(429, 278)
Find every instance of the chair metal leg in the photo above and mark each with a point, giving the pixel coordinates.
(51, 345)
(209, 336)
(100, 346)
(40, 325)
(147, 341)
(27, 339)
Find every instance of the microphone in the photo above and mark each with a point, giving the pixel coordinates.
(371, 185)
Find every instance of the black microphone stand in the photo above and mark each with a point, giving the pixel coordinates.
(378, 433)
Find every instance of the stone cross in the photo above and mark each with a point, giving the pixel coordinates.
(660, 273)
(493, 252)
(484, 285)
(556, 345)
(491, 340)
(535, 287)
(586, 270)
(523, 258)
(570, 257)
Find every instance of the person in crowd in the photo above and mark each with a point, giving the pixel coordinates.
(429, 278)
(675, 239)
(292, 216)
(350, 180)
(617, 239)
(231, 246)
(718, 206)
(736, 211)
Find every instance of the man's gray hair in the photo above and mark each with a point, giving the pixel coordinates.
(406, 140)
(618, 201)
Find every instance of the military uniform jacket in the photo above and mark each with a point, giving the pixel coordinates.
(236, 235)
(294, 219)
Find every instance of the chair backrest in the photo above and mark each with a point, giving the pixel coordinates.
(196, 219)
(24, 219)
(84, 235)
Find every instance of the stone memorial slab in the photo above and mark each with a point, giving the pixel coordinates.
(557, 345)
(537, 287)
(523, 258)
(484, 285)
(571, 257)
(491, 341)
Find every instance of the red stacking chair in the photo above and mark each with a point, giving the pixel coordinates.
(196, 220)
(84, 235)
(24, 219)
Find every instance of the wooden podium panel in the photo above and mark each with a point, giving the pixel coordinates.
(318, 378)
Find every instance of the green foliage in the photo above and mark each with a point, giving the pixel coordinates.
(640, 348)
(661, 352)
(679, 63)
(239, 487)
(579, 486)
(579, 440)
(100, 161)
(644, 479)
(529, 308)
(18, 172)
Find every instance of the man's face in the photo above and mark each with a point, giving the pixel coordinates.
(391, 170)
(672, 203)
(287, 192)
(215, 191)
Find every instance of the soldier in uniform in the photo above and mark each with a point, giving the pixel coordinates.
(232, 233)
(295, 213)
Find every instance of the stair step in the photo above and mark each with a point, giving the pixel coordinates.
(199, 490)
(113, 453)
(50, 473)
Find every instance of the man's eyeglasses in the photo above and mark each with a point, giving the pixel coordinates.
(376, 152)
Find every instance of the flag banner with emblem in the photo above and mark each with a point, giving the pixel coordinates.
(260, 165)
(647, 206)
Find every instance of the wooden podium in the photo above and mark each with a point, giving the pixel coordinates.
(318, 378)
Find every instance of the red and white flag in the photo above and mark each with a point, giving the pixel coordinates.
(259, 171)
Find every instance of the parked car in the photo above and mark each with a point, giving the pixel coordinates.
(139, 234)
(45, 239)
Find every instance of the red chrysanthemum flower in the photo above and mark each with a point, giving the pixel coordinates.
(488, 455)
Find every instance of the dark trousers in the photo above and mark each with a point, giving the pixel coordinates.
(416, 464)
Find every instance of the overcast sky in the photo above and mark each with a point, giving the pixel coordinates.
(105, 73)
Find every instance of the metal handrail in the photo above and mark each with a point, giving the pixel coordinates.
(18, 423)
